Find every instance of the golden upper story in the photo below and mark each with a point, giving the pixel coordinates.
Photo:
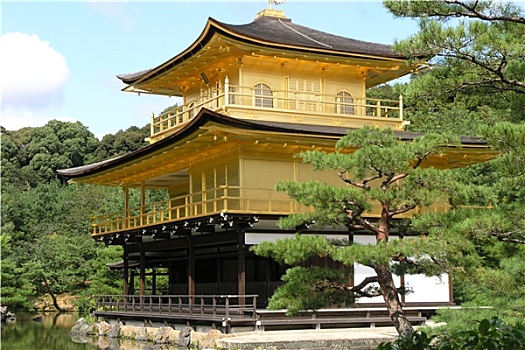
(275, 70)
(253, 96)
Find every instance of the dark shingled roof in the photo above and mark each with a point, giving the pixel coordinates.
(206, 116)
(283, 31)
(274, 32)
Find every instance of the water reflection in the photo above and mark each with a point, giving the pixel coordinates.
(52, 333)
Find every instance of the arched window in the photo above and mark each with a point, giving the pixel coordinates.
(263, 95)
(344, 103)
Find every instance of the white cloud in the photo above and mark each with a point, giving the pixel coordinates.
(33, 79)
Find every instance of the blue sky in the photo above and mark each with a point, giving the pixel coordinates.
(60, 59)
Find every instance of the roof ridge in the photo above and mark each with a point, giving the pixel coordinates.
(304, 35)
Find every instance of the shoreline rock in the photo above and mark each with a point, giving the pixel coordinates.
(185, 338)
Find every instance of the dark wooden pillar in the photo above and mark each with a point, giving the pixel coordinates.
(125, 274)
(154, 282)
(142, 272)
(241, 265)
(132, 282)
(191, 269)
(269, 279)
(219, 274)
(351, 279)
(450, 290)
(402, 279)
(171, 276)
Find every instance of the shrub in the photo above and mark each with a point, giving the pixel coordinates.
(490, 334)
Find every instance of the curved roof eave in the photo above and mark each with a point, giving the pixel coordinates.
(213, 26)
(205, 116)
(138, 77)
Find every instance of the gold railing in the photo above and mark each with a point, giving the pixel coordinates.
(213, 201)
(231, 199)
(308, 103)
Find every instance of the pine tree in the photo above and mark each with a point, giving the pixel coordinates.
(375, 168)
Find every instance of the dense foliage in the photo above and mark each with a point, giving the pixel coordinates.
(385, 171)
(472, 85)
(489, 334)
(46, 244)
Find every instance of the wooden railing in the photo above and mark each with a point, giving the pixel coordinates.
(307, 103)
(220, 306)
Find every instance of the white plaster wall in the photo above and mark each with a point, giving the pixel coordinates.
(424, 289)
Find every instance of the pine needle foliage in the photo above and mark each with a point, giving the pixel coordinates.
(377, 170)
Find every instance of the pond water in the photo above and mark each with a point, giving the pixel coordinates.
(52, 333)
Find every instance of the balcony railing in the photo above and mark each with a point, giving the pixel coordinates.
(223, 306)
(222, 199)
(286, 103)
(230, 199)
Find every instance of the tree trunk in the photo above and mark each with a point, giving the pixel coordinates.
(393, 305)
(53, 297)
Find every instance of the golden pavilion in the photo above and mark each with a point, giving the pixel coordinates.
(253, 96)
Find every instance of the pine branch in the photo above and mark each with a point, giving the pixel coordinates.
(362, 185)
(472, 12)
(358, 289)
(515, 85)
(397, 177)
(511, 237)
(401, 210)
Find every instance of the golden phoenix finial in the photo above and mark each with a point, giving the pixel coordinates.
(276, 2)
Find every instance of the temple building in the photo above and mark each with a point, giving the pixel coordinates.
(253, 96)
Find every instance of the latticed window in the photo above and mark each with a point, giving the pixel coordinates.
(263, 96)
(304, 94)
(191, 110)
(231, 95)
(344, 103)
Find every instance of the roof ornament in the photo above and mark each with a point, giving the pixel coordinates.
(276, 2)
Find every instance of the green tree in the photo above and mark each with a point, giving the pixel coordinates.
(475, 85)
(16, 289)
(40, 253)
(122, 142)
(483, 40)
(476, 73)
(375, 167)
(39, 152)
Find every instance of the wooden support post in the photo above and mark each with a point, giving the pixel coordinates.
(241, 263)
(226, 92)
(171, 276)
(219, 274)
(402, 279)
(191, 271)
(125, 274)
(450, 290)
(132, 282)
(351, 280)
(142, 276)
(269, 278)
(126, 206)
(142, 202)
(154, 282)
